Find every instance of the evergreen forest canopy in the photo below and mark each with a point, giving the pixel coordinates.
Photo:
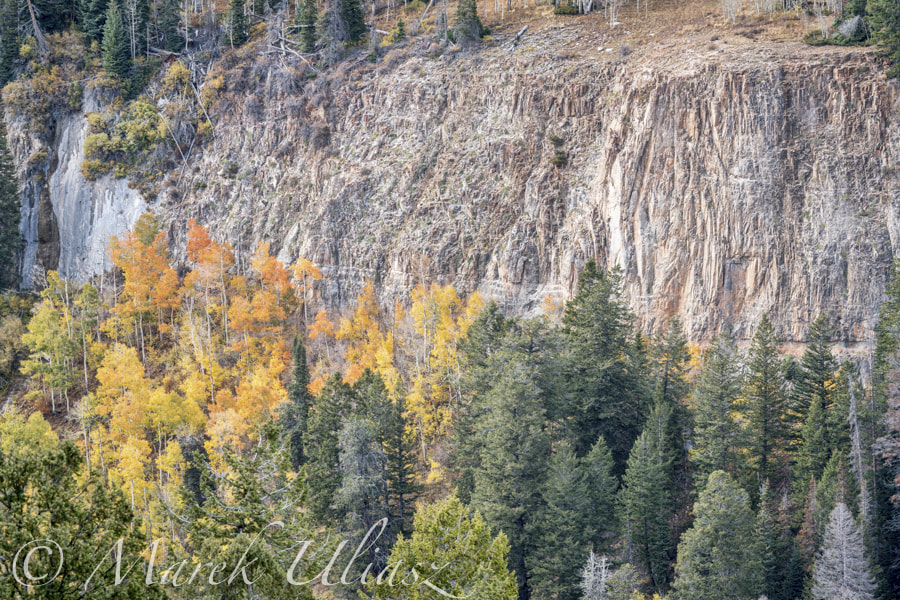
(566, 456)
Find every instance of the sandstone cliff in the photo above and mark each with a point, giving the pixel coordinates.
(727, 178)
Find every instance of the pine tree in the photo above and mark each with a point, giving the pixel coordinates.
(716, 433)
(10, 215)
(116, 57)
(644, 510)
(885, 22)
(605, 395)
(238, 29)
(842, 568)
(306, 17)
(295, 413)
(400, 31)
(717, 557)
(766, 408)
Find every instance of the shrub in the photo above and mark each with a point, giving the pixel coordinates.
(559, 159)
(177, 79)
(92, 169)
(565, 9)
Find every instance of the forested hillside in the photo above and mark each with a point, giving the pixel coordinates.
(384, 300)
(204, 406)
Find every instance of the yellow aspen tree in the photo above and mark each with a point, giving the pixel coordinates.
(441, 320)
(366, 340)
(305, 274)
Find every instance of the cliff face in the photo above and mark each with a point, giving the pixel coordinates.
(67, 220)
(725, 183)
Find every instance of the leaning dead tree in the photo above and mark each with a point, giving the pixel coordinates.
(43, 46)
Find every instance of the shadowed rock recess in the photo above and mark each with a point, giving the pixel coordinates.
(725, 183)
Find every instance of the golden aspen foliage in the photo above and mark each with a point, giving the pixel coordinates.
(441, 320)
(368, 346)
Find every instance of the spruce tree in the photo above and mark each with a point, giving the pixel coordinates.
(808, 536)
(767, 427)
(817, 369)
(814, 452)
(842, 567)
(717, 557)
(835, 486)
(9, 39)
(468, 24)
(362, 495)
(781, 568)
(644, 510)
(10, 215)
(321, 447)
(116, 57)
(295, 412)
(354, 20)
(884, 20)
(478, 365)
(400, 451)
(332, 31)
(600, 495)
(306, 17)
(885, 419)
(238, 29)
(400, 31)
(169, 25)
(716, 432)
(562, 523)
(605, 395)
(515, 449)
(46, 495)
(671, 354)
(91, 17)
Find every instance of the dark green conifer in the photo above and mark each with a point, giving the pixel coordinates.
(10, 215)
(116, 56)
(238, 28)
(767, 426)
(295, 413)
